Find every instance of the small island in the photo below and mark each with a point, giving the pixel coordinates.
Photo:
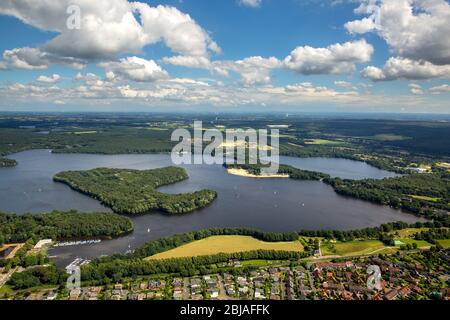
(129, 191)
(4, 163)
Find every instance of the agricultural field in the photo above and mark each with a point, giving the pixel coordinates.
(323, 142)
(226, 244)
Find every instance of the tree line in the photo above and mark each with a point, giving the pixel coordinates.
(61, 225)
(370, 233)
(432, 235)
(423, 194)
(106, 271)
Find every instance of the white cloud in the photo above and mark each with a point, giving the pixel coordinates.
(414, 29)
(180, 91)
(35, 59)
(444, 88)
(334, 59)
(136, 69)
(308, 89)
(251, 3)
(188, 81)
(189, 61)
(178, 30)
(344, 84)
(361, 26)
(253, 70)
(90, 79)
(52, 79)
(108, 28)
(416, 89)
(24, 58)
(398, 68)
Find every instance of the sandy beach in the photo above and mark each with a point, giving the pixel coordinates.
(245, 173)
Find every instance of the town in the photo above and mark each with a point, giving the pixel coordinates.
(404, 275)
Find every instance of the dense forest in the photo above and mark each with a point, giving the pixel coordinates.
(98, 139)
(61, 225)
(424, 194)
(4, 162)
(38, 276)
(134, 192)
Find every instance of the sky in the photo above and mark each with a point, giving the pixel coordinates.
(225, 55)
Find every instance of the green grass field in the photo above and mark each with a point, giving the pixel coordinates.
(445, 243)
(420, 243)
(425, 198)
(323, 142)
(352, 248)
(260, 263)
(226, 244)
(407, 233)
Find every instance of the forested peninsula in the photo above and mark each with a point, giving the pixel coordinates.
(129, 191)
(59, 225)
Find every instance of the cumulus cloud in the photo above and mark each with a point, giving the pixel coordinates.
(403, 68)
(253, 70)
(134, 68)
(308, 89)
(179, 91)
(416, 89)
(46, 79)
(108, 28)
(414, 29)
(91, 79)
(35, 59)
(334, 59)
(251, 3)
(444, 88)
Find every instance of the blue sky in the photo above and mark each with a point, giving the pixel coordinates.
(277, 55)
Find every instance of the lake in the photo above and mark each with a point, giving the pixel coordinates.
(266, 204)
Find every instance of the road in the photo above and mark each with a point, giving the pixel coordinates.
(5, 277)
